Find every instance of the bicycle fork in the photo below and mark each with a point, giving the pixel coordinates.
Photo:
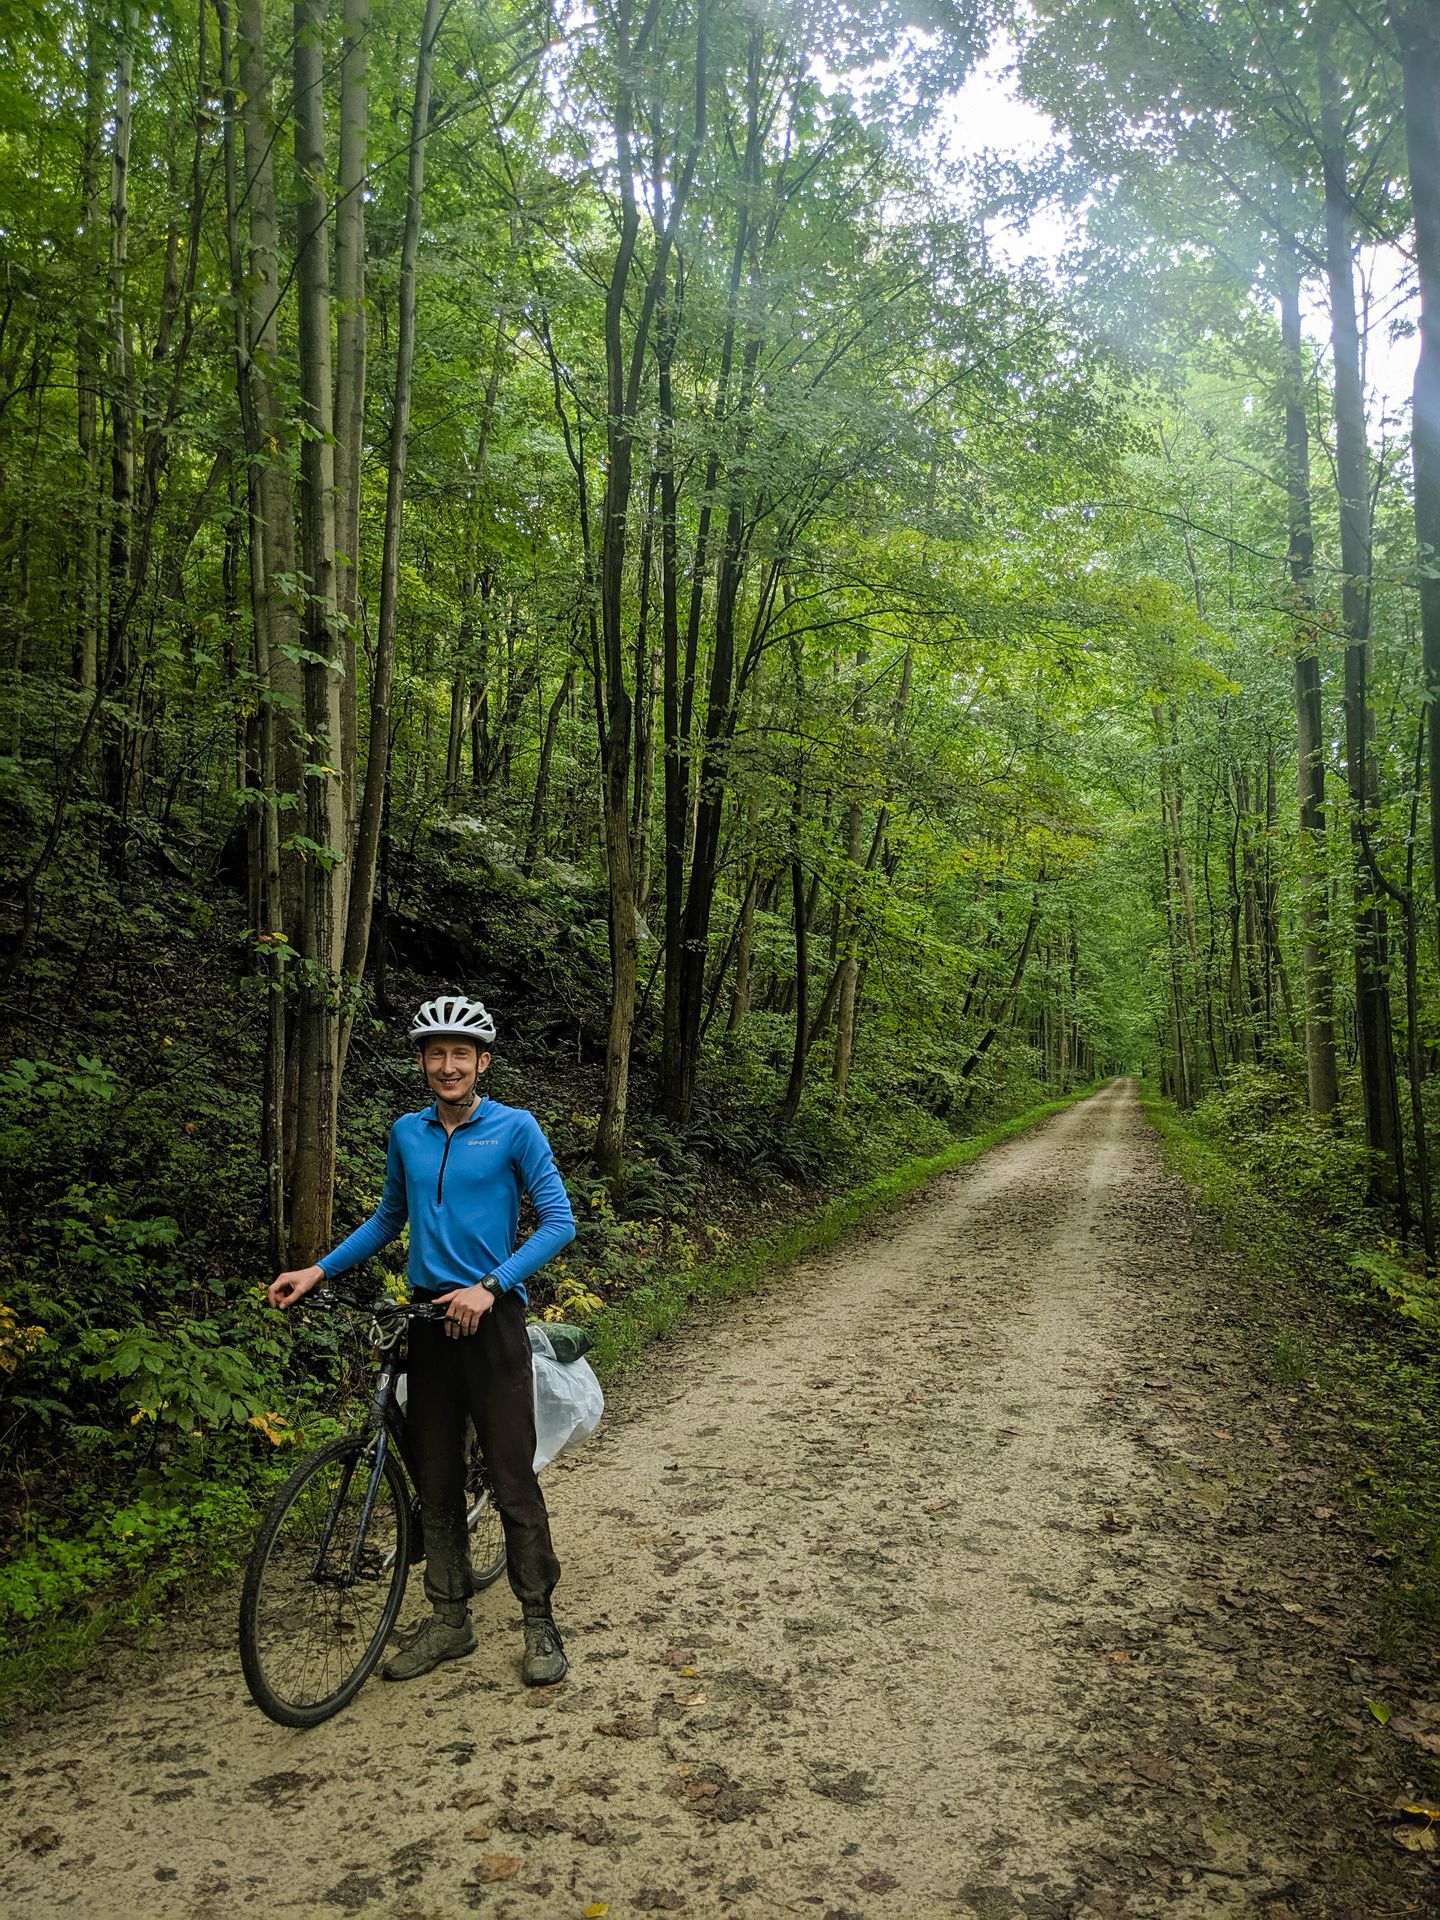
(379, 1405)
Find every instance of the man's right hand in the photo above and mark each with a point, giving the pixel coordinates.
(287, 1288)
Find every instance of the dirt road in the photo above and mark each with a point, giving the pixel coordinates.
(965, 1572)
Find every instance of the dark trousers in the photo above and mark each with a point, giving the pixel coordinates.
(485, 1374)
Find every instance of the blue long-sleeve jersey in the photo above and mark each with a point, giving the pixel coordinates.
(460, 1193)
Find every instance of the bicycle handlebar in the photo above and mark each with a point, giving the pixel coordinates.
(382, 1304)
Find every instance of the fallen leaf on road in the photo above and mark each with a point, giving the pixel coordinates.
(543, 1820)
(1379, 1709)
(478, 1833)
(496, 1866)
(1153, 1767)
(625, 1726)
(1417, 1839)
(850, 1787)
(1114, 1522)
(690, 1699)
(1158, 1386)
(877, 1882)
(597, 1910)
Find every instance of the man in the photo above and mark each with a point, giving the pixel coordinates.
(455, 1172)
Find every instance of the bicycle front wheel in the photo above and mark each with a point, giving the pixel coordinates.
(320, 1595)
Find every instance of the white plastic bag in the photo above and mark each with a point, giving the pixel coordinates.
(568, 1400)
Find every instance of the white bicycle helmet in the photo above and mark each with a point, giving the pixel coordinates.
(452, 1017)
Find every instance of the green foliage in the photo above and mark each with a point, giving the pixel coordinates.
(1400, 1281)
(54, 1573)
(1350, 1323)
(1261, 1119)
(185, 1375)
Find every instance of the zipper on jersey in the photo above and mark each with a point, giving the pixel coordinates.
(440, 1177)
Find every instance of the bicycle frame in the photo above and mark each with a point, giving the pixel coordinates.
(386, 1421)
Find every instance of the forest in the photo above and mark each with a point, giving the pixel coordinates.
(840, 632)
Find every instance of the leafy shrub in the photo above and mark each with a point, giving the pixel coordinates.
(55, 1571)
(1261, 1118)
(188, 1375)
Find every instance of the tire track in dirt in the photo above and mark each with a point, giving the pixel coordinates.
(892, 1590)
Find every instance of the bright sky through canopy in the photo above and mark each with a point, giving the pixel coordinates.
(987, 116)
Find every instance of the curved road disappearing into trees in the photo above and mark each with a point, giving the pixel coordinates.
(959, 1573)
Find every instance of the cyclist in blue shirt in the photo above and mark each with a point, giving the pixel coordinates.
(455, 1174)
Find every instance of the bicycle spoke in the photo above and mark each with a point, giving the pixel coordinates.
(314, 1623)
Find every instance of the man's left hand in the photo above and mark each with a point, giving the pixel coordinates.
(465, 1309)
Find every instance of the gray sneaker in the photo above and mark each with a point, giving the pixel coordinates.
(544, 1661)
(435, 1641)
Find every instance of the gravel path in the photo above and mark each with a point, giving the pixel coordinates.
(969, 1571)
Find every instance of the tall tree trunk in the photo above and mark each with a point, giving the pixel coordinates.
(681, 773)
(266, 904)
(1418, 27)
(542, 772)
(1250, 893)
(744, 952)
(88, 361)
(455, 738)
(795, 1086)
(350, 364)
(850, 961)
(280, 691)
(367, 838)
(1372, 998)
(1180, 899)
(121, 369)
(323, 922)
(1321, 1072)
(1003, 1010)
(614, 706)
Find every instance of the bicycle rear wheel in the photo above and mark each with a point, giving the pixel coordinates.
(482, 1518)
(319, 1601)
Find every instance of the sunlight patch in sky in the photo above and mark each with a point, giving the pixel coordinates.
(987, 118)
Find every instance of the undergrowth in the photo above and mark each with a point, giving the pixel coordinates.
(1352, 1317)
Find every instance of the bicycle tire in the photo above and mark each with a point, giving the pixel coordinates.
(482, 1519)
(304, 1613)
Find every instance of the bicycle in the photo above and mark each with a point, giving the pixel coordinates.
(326, 1576)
